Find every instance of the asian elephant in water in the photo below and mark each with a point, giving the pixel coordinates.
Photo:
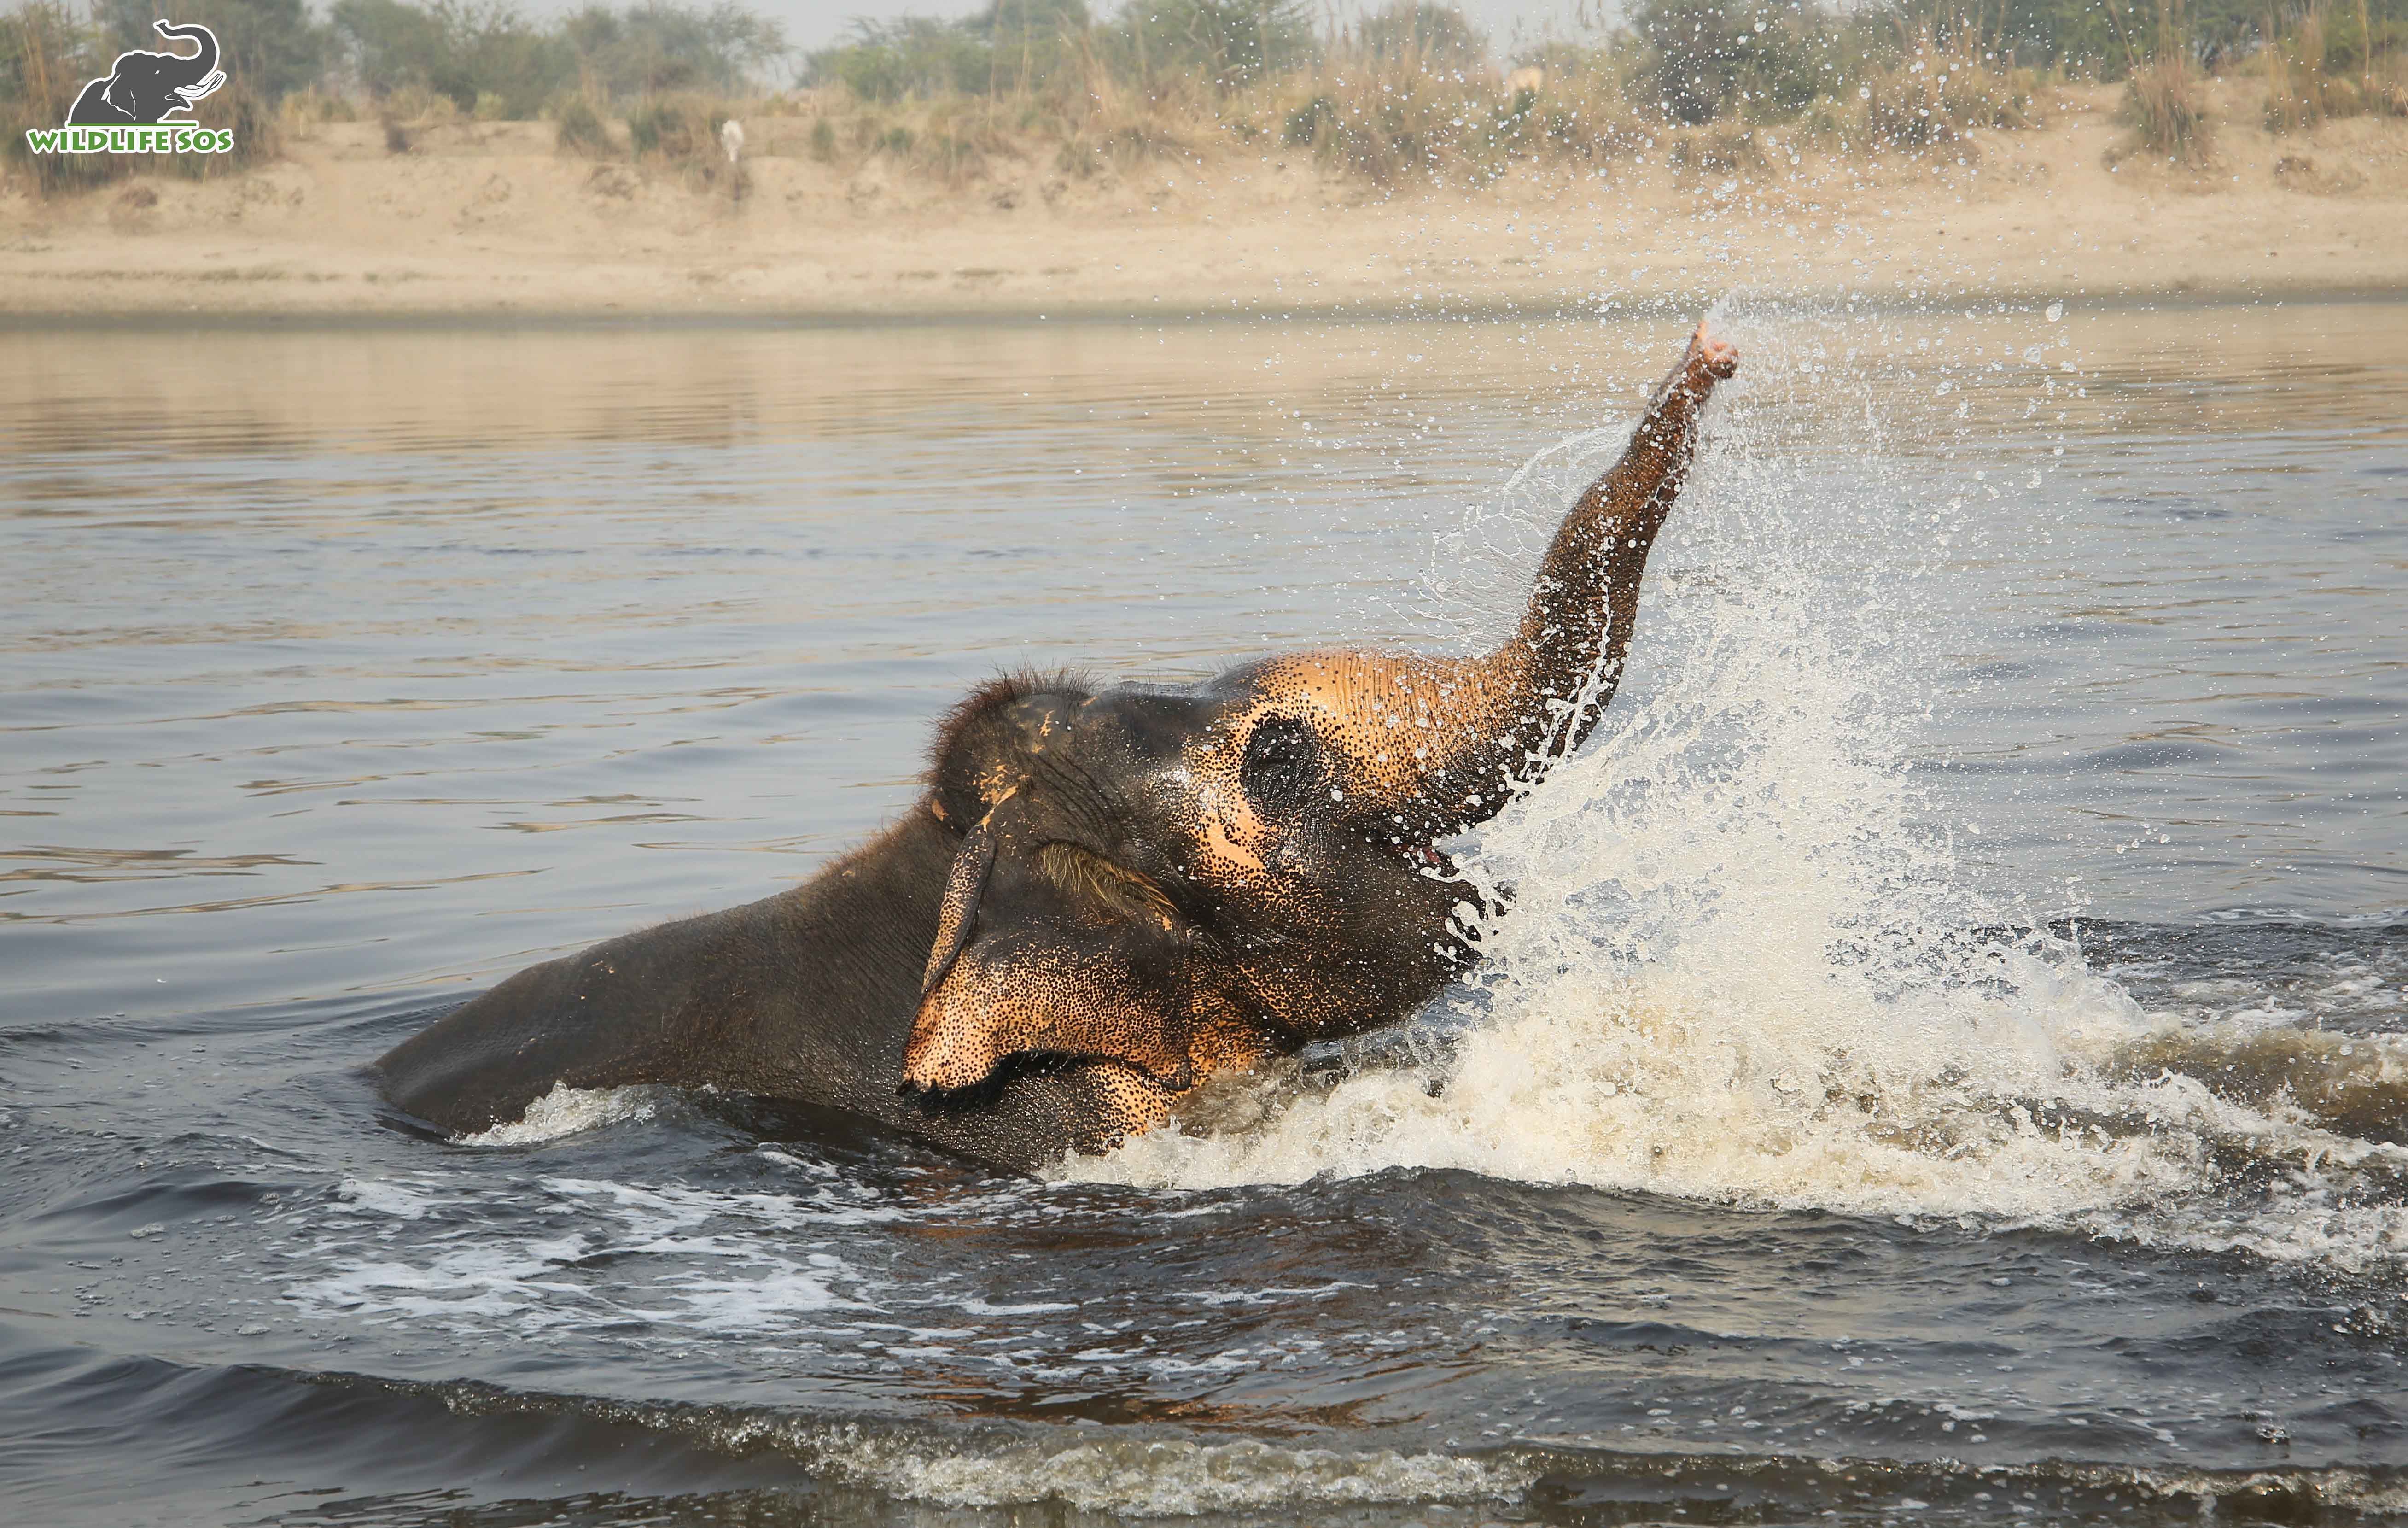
(143, 87)
(1107, 895)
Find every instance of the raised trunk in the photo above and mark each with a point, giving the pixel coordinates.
(1538, 696)
(1443, 743)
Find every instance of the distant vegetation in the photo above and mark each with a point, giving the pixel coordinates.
(489, 60)
(1413, 87)
(1410, 88)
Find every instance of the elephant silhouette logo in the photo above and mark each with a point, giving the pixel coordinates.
(143, 87)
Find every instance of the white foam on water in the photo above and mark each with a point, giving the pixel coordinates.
(481, 1282)
(384, 1196)
(705, 1260)
(566, 1111)
(1123, 1473)
(1129, 1476)
(1162, 1477)
(1741, 963)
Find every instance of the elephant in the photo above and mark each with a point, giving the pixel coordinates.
(143, 87)
(1107, 895)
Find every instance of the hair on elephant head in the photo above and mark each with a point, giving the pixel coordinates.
(1107, 895)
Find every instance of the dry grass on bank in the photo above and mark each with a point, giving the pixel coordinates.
(1392, 119)
(2304, 90)
(1389, 122)
(2165, 104)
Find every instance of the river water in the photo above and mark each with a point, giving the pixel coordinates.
(1948, 1059)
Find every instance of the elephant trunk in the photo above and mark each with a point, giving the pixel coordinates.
(1511, 714)
(201, 64)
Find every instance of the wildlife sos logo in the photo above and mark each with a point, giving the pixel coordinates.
(125, 112)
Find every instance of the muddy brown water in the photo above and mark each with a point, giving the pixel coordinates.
(1948, 1061)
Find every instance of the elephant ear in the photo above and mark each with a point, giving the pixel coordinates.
(957, 911)
(986, 746)
(1048, 951)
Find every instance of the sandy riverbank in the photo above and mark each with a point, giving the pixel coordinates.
(487, 217)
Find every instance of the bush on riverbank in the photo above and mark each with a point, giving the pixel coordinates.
(2335, 61)
(2165, 93)
(2165, 104)
(1409, 91)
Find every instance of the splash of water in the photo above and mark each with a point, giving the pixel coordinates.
(566, 1111)
(1742, 963)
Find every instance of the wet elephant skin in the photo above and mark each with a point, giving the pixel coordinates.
(1105, 898)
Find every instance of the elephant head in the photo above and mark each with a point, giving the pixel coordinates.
(144, 87)
(1170, 882)
(1175, 882)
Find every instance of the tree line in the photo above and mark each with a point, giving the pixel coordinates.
(1694, 59)
(1691, 60)
(486, 56)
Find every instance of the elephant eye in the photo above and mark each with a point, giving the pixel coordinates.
(1282, 766)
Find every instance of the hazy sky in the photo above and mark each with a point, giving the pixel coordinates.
(810, 23)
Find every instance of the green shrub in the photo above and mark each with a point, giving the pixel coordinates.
(682, 130)
(1305, 123)
(469, 49)
(660, 48)
(2165, 105)
(581, 129)
(273, 47)
(1430, 36)
(888, 61)
(462, 49)
(1227, 43)
(663, 128)
(2300, 88)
